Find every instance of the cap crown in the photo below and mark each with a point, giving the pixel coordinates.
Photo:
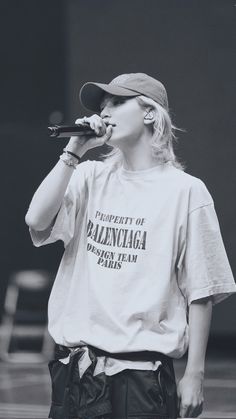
(143, 84)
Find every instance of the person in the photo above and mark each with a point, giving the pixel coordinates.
(144, 261)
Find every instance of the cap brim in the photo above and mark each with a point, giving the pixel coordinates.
(91, 94)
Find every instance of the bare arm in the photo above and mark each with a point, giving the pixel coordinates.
(47, 199)
(190, 387)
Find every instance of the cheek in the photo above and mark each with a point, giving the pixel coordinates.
(131, 122)
(128, 131)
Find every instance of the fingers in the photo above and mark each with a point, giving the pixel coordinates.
(108, 134)
(190, 397)
(102, 132)
(96, 123)
(184, 411)
(100, 140)
(190, 410)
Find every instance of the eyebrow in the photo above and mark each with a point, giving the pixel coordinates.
(112, 97)
(101, 105)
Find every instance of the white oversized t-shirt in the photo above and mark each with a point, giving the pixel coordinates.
(140, 246)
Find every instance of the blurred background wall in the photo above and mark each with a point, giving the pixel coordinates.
(50, 48)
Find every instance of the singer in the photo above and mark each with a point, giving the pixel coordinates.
(129, 297)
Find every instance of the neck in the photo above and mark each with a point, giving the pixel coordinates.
(139, 157)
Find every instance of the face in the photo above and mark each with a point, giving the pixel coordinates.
(127, 115)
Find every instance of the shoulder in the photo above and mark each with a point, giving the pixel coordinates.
(196, 189)
(95, 168)
(87, 168)
(91, 165)
(90, 170)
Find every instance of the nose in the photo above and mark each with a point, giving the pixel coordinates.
(106, 110)
(104, 113)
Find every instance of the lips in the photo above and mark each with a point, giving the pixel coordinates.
(108, 123)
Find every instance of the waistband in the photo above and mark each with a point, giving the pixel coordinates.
(63, 351)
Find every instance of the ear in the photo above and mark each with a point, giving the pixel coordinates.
(149, 116)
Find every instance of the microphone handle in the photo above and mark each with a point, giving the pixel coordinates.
(63, 131)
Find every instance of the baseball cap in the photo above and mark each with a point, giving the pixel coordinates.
(131, 84)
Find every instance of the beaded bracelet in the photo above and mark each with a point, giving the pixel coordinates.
(69, 160)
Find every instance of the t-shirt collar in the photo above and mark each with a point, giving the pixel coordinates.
(159, 168)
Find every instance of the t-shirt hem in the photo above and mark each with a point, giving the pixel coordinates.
(44, 237)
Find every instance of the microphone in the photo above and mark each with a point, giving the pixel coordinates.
(62, 131)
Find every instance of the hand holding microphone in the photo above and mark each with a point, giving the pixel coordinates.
(92, 132)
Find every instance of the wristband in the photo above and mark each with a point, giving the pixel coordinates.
(72, 154)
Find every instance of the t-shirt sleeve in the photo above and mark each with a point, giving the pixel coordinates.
(205, 270)
(63, 225)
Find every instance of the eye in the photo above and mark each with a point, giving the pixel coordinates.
(119, 100)
(115, 100)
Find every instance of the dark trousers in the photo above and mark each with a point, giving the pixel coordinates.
(129, 394)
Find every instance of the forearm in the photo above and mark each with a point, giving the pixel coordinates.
(200, 312)
(190, 387)
(47, 199)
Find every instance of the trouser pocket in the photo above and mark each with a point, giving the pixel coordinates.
(136, 394)
(59, 389)
(165, 378)
(73, 397)
(95, 398)
(59, 376)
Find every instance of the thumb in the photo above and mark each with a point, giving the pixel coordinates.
(178, 399)
(108, 134)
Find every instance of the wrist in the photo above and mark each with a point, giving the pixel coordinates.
(70, 153)
(74, 148)
(195, 372)
(69, 160)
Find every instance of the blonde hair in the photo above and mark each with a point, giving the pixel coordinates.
(162, 140)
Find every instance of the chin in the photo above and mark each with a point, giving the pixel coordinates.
(113, 140)
(116, 139)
